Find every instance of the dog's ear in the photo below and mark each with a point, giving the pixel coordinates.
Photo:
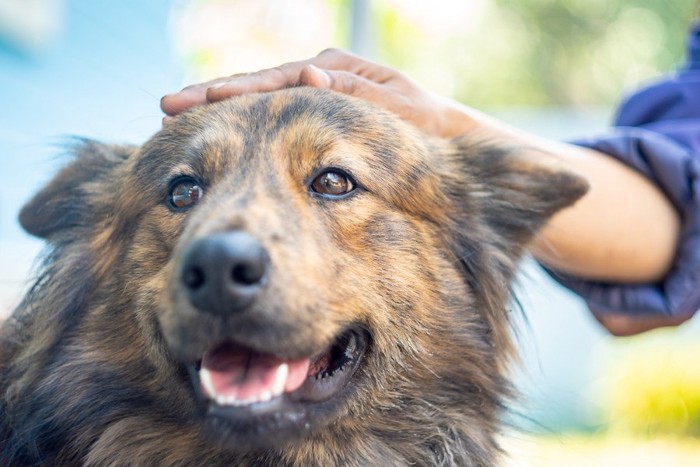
(500, 197)
(64, 202)
(516, 190)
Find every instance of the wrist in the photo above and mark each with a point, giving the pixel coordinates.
(455, 119)
(459, 120)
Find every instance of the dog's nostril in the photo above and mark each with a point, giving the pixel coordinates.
(223, 272)
(193, 278)
(247, 274)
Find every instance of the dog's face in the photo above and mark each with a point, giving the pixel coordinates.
(298, 272)
(303, 238)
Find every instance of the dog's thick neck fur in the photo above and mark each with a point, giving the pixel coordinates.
(75, 390)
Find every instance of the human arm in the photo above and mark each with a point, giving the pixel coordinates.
(622, 247)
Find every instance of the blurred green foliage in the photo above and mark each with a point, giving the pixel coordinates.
(534, 52)
(486, 53)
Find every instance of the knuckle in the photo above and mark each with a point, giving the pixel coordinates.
(335, 54)
(330, 51)
(280, 75)
(276, 71)
(344, 82)
(350, 83)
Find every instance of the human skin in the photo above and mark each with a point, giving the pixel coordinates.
(605, 236)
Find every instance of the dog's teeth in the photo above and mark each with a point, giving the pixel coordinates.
(205, 378)
(232, 401)
(221, 400)
(280, 380)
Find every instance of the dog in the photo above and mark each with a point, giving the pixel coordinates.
(291, 278)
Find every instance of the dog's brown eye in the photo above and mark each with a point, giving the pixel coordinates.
(184, 193)
(333, 183)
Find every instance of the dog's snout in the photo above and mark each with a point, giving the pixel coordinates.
(223, 272)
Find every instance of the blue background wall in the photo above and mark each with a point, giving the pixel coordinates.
(101, 78)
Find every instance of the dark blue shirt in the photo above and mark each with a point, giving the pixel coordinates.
(657, 131)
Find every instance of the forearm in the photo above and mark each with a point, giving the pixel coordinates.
(624, 230)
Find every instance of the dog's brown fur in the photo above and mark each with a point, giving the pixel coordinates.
(421, 255)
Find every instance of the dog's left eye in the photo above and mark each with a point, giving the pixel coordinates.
(333, 182)
(184, 192)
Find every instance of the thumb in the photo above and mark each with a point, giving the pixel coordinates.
(315, 77)
(344, 82)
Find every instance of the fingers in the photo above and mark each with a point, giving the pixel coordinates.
(339, 60)
(314, 77)
(272, 79)
(299, 74)
(189, 96)
(305, 72)
(302, 73)
(222, 88)
(347, 83)
(173, 104)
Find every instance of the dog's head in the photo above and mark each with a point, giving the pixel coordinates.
(299, 267)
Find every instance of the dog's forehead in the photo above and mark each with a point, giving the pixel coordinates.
(301, 121)
(298, 132)
(252, 123)
(264, 116)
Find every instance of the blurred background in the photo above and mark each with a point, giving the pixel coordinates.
(556, 68)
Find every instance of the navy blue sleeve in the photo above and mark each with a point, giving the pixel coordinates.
(657, 132)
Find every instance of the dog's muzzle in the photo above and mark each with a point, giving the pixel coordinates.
(259, 375)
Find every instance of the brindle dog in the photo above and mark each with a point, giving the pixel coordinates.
(293, 278)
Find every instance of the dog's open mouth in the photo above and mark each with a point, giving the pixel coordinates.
(264, 393)
(234, 376)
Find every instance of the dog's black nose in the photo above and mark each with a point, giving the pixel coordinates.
(223, 272)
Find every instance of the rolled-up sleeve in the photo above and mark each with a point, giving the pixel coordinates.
(675, 168)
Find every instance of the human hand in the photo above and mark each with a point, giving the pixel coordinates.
(342, 72)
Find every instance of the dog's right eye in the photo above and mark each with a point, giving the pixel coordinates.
(184, 193)
(333, 183)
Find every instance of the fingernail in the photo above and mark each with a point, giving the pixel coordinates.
(218, 85)
(319, 78)
(315, 68)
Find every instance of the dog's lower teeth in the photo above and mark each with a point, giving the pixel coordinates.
(233, 402)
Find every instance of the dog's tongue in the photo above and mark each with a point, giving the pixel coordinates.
(234, 375)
